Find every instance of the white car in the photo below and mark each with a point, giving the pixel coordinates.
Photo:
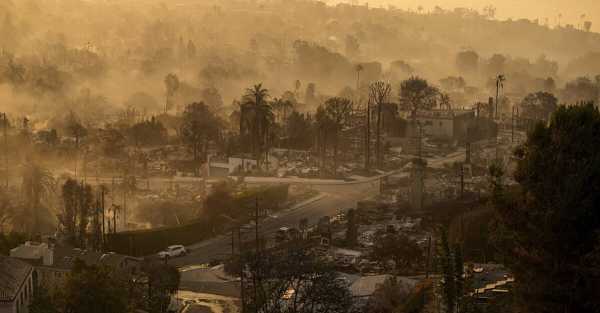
(173, 251)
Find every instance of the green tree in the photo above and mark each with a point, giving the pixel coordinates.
(94, 289)
(257, 116)
(548, 227)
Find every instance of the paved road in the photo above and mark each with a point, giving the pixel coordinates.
(333, 197)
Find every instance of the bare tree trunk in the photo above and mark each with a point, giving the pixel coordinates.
(378, 143)
(368, 138)
(196, 148)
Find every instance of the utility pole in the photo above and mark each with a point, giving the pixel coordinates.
(462, 180)
(96, 223)
(103, 219)
(468, 153)
(232, 242)
(499, 84)
(378, 131)
(357, 96)
(115, 209)
(428, 257)
(512, 125)
(5, 126)
(242, 286)
(368, 137)
(257, 259)
(420, 138)
(124, 205)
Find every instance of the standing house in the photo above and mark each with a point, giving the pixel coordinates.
(53, 264)
(445, 124)
(17, 283)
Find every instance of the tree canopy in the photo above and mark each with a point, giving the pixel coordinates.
(548, 229)
(416, 94)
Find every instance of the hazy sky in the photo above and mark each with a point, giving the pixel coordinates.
(532, 9)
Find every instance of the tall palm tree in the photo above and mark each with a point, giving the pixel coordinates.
(259, 116)
(499, 85)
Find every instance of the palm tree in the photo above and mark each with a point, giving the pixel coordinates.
(258, 114)
(281, 106)
(37, 184)
(499, 85)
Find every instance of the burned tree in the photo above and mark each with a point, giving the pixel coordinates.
(379, 93)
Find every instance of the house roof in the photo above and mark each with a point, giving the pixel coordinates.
(13, 274)
(64, 257)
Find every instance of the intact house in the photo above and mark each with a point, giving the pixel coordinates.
(53, 263)
(17, 284)
(445, 124)
(442, 125)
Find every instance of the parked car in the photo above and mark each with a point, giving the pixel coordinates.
(173, 251)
